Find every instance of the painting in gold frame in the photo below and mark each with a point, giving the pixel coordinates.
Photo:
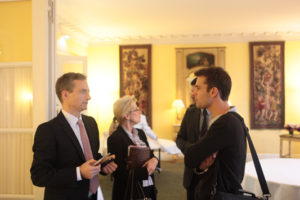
(135, 75)
(267, 85)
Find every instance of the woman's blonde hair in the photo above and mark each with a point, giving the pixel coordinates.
(121, 108)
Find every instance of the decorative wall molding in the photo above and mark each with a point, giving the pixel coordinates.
(67, 28)
(17, 130)
(16, 197)
(16, 64)
(12, 0)
(199, 38)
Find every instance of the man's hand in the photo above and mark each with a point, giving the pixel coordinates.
(88, 170)
(151, 165)
(208, 161)
(110, 168)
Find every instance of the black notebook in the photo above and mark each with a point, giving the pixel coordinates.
(137, 156)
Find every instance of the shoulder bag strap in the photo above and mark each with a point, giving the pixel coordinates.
(129, 186)
(260, 174)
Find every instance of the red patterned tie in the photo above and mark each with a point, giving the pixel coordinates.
(94, 182)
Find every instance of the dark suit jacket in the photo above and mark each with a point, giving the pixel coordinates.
(118, 144)
(57, 153)
(189, 134)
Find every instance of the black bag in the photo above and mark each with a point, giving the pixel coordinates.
(134, 186)
(245, 195)
(241, 195)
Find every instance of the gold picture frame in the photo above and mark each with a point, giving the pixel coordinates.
(267, 85)
(135, 75)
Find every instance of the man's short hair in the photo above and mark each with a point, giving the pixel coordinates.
(216, 77)
(194, 81)
(65, 82)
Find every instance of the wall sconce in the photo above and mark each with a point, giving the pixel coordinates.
(178, 105)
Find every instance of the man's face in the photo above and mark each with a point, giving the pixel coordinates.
(201, 95)
(192, 93)
(77, 100)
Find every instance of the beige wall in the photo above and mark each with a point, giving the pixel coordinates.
(16, 133)
(15, 31)
(104, 62)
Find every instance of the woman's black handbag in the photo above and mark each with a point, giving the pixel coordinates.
(134, 186)
(245, 195)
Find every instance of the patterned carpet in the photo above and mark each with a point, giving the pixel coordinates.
(168, 182)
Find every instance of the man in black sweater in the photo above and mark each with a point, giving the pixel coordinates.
(221, 153)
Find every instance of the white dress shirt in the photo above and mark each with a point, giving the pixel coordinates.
(72, 120)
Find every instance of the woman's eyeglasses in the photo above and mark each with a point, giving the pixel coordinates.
(135, 110)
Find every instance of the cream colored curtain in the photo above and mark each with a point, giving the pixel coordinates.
(15, 130)
(16, 101)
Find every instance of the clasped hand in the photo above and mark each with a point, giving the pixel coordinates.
(151, 165)
(208, 161)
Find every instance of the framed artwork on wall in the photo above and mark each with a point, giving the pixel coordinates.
(267, 85)
(190, 60)
(200, 59)
(135, 75)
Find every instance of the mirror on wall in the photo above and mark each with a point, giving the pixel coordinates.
(188, 61)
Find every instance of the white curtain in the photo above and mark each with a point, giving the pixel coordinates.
(16, 97)
(15, 130)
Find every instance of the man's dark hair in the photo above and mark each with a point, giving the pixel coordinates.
(194, 81)
(65, 82)
(216, 77)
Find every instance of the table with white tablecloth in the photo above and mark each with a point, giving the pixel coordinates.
(282, 176)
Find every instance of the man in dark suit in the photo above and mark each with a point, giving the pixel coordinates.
(192, 128)
(65, 149)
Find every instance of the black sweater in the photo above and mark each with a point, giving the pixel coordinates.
(227, 137)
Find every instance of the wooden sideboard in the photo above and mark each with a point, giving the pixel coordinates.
(289, 138)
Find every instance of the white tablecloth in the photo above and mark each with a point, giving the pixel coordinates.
(168, 146)
(282, 176)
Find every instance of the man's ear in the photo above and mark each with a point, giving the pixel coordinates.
(214, 92)
(64, 94)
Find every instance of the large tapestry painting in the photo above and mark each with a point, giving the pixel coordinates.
(135, 75)
(267, 85)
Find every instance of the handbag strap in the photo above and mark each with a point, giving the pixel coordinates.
(142, 191)
(129, 186)
(259, 172)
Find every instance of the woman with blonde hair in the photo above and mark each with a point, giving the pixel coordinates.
(122, 135)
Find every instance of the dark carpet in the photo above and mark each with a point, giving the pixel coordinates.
(168, 182)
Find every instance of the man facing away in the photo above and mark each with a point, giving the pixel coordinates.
(221, 152)
(66, 147)
(192, 128)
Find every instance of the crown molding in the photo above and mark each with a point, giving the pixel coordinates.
(85, 38)
(199, 38)
(11, 0)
